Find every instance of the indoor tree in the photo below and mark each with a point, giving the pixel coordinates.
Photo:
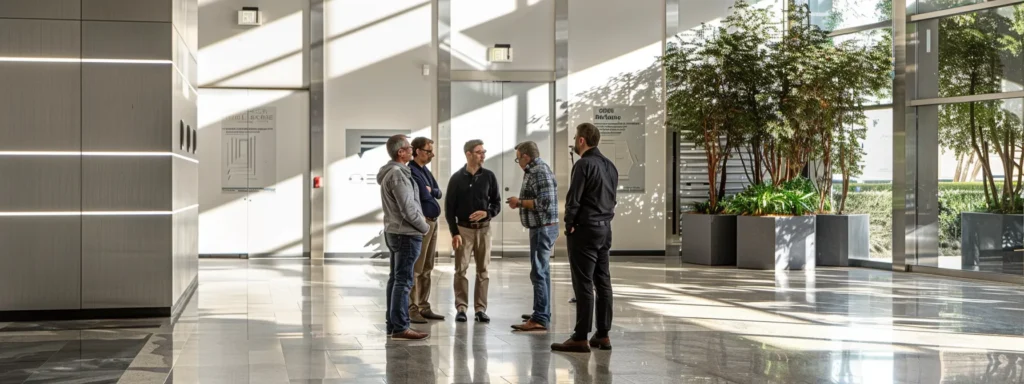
(714, 78)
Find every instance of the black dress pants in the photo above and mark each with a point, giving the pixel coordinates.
(588, 259)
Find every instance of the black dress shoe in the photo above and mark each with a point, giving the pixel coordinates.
(461, 317)
(572, 300)
(481, 317)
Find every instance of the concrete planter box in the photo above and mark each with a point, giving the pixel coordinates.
(779, 243)
(990, 240)
(841, 237)
(708, 239)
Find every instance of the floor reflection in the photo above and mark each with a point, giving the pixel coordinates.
(287, 321)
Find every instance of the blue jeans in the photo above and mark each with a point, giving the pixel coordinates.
(404, 251)
(542, 241)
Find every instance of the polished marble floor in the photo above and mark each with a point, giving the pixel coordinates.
(285, 321)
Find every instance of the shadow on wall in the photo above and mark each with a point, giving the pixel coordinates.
(638, 88)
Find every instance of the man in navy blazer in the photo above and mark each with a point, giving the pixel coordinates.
(419, 297)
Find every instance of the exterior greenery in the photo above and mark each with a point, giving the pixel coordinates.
(954, 198)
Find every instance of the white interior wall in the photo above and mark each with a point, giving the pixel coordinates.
(243, 67)
(273, 55)
(528, 26)
(613, 63)
(374, 59)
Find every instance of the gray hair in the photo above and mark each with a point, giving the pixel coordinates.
(395, 144)
(529, 148)
(472, 144)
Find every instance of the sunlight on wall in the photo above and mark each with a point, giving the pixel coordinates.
(276, 49)
(354, 218)
(354, 46)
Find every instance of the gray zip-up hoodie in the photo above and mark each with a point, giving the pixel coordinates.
(400, 199)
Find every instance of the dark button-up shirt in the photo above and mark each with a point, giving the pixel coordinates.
(591, 197)
(540, 186)
(470, 193)
(428, 200)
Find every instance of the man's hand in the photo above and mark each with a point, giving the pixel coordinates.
(477, 216)
(457, 241)
(513, 202)
(430, 190)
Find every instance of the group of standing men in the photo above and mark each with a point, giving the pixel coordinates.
(410, 199)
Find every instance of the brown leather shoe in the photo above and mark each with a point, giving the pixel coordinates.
(409, 334)
(529, 326)
(416, 317)
(605, 344)
(571, 345)
(430, 315)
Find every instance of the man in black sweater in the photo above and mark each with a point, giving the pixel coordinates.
(473, 200)
(589, 209)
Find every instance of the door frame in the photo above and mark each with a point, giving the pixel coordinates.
(443, 144)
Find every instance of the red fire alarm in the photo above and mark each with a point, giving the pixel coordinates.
(318, 182)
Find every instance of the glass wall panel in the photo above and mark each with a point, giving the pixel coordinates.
(870, 192)
(925, 6)
(981, 214)
(840, 14)
(972, 54)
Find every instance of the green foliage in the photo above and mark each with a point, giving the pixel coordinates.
(792, 198)
(974, 47)
(713, 77)
(705, 208)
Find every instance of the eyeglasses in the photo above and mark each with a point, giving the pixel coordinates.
(480, 152)
(430, 151)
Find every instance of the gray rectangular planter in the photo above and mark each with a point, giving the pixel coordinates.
(779, 243)
(841, 237)
(989, 241)
(708, 239)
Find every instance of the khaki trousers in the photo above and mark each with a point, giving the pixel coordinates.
(419, 297)
(477, 242)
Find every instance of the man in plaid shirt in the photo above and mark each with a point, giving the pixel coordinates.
(538, 211)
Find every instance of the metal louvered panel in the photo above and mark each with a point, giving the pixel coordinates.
(693, 175)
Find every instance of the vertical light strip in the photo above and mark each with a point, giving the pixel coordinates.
(671, 147)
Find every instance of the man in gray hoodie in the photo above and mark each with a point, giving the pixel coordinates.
(404, 227)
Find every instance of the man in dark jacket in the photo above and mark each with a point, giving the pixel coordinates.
(589, 209)
(404, 227)
(419, 299)
(473, 200)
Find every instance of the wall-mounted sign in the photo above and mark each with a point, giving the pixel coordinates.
(623, 141)
(249, 153)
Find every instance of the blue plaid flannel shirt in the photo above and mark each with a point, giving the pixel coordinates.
(540, 186)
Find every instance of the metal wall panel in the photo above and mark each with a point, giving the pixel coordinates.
(127, 10)
(40, 104)
(126, 107)
(40, 264)
(126, 183)
(126, 261)
(120, 40)
(39, 184)
(41, 9)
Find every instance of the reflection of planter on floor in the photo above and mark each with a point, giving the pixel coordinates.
(990, 238)
(770, 242)
(708, 239)
(840, 238)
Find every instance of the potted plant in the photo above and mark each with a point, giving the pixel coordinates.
(777, 223)
(709, 73)
(846, 76)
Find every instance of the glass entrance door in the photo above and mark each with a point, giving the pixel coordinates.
(502, 114)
